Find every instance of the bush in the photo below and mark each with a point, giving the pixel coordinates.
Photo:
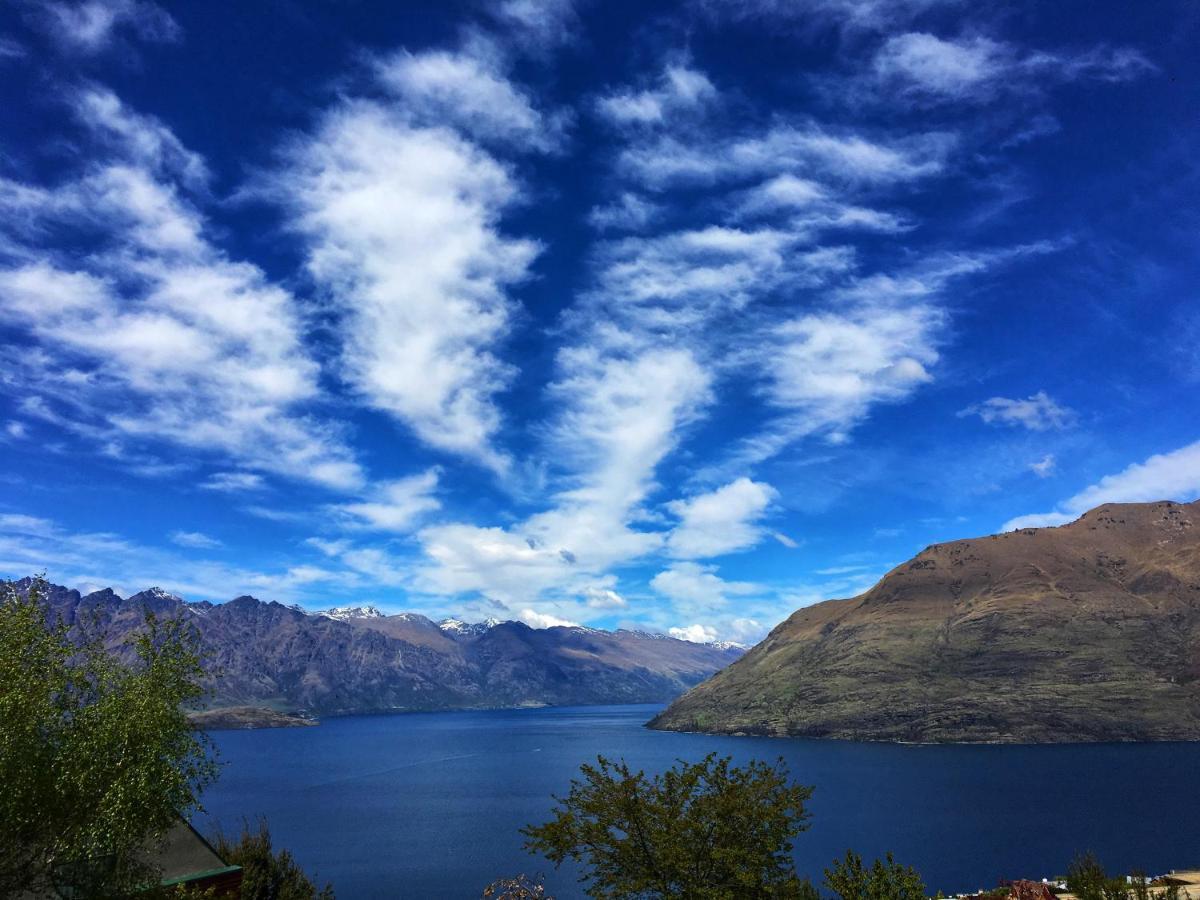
(267, 874)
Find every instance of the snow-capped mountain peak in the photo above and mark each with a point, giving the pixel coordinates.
(342, 613)
(727, 645)
(459, 628)
(157, 593)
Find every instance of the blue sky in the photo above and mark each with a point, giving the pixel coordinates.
(675, 315)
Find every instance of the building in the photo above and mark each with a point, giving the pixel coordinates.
(186, 858)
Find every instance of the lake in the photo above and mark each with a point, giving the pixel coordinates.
(427, 805)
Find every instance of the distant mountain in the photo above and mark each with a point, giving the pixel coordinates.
(1087, 632)
(460, 628)
(355, 659)
(346, 613)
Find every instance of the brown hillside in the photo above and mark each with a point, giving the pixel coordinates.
(1086, 632)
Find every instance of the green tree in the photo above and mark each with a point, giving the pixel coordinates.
(267, 874)
(96, 755)
(709, 831)
(1087, 880)
(885, 880)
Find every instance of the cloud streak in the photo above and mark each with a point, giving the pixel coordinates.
(1174, 475)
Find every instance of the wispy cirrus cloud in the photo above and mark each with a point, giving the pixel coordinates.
(195, 540)
(1044, 467)
(928, 68)
(537, 26)
(424, 297)
(620, 417)
(470, 92)
(841, 155)
(394, 505)
(232, 482)
(157, 335)
(80, 558)
(680, 88)
(1038, 412)
(92, 26)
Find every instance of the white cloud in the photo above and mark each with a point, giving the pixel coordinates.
(683, 280)
(937, 66)
(157, 335)
(697, 634)
(538, 25)
(742, 631)
(1044, 467)
(680, 88)
(232, 481)
(422, 294)
(11, 49)
(535, 619)
(1039, 520)
(471, 93)
(629, 212)
(1039, 412)
(723, 521)
(979, 68)
(809, 209)
(598, 597)
(141, 139)
(30, 544)
(394, 505)
(830, 368)
(91, 26)
(785, 540)
(16, 430)
(195, 540)
(621, 416)
(840, 570)
(876, 342)
(1164, 476)
(846, 157)
(694, 586)
(27, 525)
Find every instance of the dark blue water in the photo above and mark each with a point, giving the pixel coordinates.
(428, 805)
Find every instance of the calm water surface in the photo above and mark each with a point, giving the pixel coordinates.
(427, 805)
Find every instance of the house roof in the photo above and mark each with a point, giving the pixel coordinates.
(184, 855)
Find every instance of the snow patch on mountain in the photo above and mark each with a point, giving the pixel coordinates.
(459, 628)
(342, 613)
(728, 645)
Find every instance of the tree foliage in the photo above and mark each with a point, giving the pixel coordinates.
(520, 888)
(884, 880)
(267, 874)
(1087, 880)
(96, 755)
(709, 830)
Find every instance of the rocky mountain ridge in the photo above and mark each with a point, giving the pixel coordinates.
(268, 655)
(1085, 632)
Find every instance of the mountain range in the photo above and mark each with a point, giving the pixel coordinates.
(267, 656)
(1085, 632)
